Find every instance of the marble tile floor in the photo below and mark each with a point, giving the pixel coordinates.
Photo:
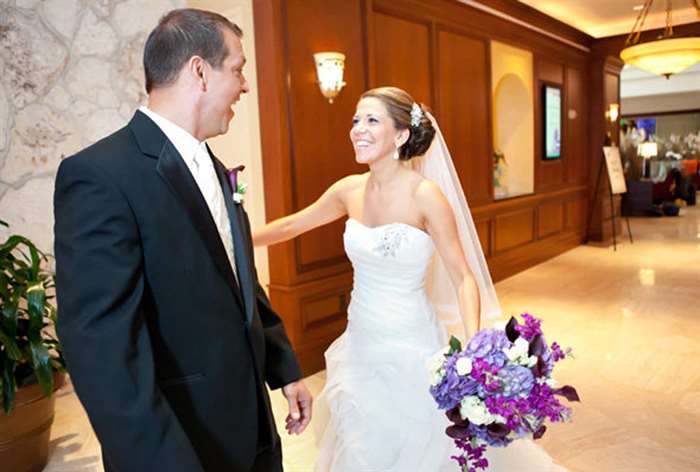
(631, 316)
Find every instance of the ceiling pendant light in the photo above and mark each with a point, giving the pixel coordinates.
(665, 56)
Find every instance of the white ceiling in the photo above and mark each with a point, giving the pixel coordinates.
(635, 82)
(601, 18)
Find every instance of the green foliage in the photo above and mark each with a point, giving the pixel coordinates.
(455, 346)
(29, 350)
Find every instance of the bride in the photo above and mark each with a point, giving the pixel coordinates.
(375, 413)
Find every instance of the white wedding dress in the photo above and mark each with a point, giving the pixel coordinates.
(375, 413)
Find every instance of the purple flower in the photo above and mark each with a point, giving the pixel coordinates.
(233, 177)
(517, 381)
(531, 328)
(472, 458)
(487, 341)
(453, 387)
(516, 395)
(557, 352)
(543, 404)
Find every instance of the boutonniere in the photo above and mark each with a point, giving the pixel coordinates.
(238, 188)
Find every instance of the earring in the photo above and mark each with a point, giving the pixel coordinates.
(395, 156)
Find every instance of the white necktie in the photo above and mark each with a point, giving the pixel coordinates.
(213, 194)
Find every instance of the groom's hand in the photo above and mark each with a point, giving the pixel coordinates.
(300, 400)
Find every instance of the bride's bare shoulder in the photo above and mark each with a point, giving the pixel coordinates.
(428, 194)
(352, 181)
(426, 188)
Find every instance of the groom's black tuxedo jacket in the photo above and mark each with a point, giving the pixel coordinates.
(167, 351)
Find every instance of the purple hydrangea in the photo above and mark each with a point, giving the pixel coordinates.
(516, 380)
(453, 387)
(487, 341)
(547, 361)
(519, 397)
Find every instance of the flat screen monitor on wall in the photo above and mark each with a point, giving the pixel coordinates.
(552, 121)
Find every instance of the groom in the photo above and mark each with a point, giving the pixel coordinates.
(168, 335)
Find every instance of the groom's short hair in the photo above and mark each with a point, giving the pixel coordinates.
(181, 34)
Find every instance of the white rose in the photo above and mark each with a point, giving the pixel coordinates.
(499, 419)
(436, 361)
(473, 409)
(464, 366)
(519, 349)
(436, 378)
(531, 361)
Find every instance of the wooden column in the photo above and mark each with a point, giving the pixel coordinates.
(605, 89)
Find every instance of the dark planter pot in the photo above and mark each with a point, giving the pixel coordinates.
(24, 433)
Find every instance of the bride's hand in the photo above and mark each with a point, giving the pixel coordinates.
(300, 401)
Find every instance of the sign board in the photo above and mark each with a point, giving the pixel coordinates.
(615, 172)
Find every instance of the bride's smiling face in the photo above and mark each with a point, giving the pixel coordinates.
(373, 133)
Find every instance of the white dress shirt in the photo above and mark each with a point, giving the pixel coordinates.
(200, 164)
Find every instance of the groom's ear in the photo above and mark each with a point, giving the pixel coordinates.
(197, 71)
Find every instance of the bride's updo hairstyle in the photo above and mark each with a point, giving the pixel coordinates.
(406, 114)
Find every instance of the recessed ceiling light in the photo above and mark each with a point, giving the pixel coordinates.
(637, 7)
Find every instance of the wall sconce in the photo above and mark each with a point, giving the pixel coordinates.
(613, 112)
(329, 70)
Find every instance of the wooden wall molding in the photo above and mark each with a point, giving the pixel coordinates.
(478, 22)
(514, 229)
(531, 18)
(314, 315)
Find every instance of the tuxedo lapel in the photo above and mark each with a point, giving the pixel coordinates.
(173, 170)
(244, 260)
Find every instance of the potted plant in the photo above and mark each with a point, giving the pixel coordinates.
(499, 169)
(31, 363)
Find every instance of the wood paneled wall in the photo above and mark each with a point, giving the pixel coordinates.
(439, 51)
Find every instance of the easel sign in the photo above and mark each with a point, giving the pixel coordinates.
(616, 176)
(615, 172)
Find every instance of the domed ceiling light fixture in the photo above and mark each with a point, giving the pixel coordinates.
(665, 56)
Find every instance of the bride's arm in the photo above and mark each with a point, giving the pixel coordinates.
(440, 223)
(329, 207)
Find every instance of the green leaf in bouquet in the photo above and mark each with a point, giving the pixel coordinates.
(455, 345)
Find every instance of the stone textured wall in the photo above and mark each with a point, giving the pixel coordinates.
(70, 74)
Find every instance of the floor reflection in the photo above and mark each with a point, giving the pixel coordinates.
(633, 320)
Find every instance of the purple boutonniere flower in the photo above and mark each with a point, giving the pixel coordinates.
(238, 188)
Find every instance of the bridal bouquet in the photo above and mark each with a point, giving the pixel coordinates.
(498, 388)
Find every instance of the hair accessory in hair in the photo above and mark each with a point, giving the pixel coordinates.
(416, 115)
